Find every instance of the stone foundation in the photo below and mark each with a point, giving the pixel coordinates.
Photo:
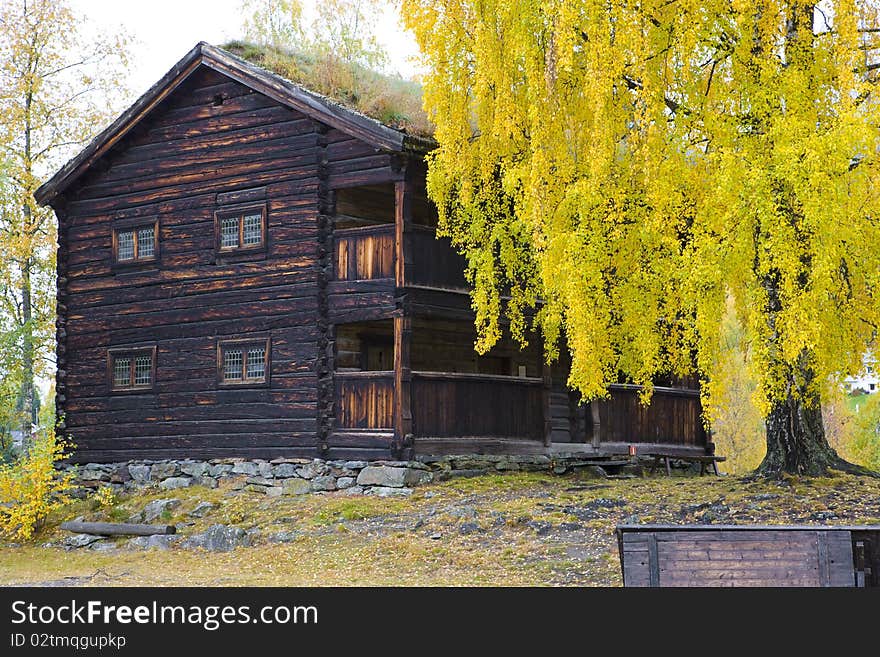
(300, 476)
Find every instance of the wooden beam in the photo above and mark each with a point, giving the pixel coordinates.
(60, 207)
(597, 423)
(325, 364)
(402, 227)
(653, 561)
(546, 393)
(403, 421)
(117, 528)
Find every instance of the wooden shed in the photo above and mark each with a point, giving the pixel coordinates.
(247, 268)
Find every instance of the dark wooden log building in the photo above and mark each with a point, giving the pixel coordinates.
(246, 268)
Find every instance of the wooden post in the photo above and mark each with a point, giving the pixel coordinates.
(546, 395)
(402, 227)
(597, 423)
(403, 425)
(402, 324)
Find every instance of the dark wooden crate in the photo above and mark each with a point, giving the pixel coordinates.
(749, 555)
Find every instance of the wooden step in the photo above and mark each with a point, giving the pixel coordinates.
(365, 438)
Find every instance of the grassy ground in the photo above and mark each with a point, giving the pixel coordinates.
(512, 529)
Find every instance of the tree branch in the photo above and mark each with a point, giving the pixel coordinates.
(636, 85)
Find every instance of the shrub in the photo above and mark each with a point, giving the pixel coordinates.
(31, 488)
(104, 498)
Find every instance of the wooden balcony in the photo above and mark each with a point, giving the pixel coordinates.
(365, 254)
(455, 413)
(672, 417)
(369, 254)
(460, 406)
(672, 421)
(434, 262)
(365, 400)
(444, 405)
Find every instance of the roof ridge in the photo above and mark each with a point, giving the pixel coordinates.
(269, 83)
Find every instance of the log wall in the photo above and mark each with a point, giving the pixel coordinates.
(213, 143)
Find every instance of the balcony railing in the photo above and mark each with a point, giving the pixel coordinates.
(674, 417)
(366, 400)
(444, 404)
(447, 405)
(368, 254)
(365, 253)
(434, 262)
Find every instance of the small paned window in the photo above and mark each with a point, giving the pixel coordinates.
(132, 369)
(242, 229)
(243, 361)
(136, 244)
(229, 233)
(252, 230)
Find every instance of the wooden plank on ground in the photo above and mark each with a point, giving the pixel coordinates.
(117, 528)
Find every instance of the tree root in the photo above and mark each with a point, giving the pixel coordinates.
(852, 468)
(835, 463)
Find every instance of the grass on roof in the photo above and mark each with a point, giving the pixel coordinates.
(390, 99)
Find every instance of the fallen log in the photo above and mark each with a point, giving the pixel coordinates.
(117, 528)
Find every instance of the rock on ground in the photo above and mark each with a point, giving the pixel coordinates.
(154, 510)
(218, 538)
(81, 540)
(158, 541)
(201, 509)
(296, 486)
(284, 536)
(175, 482)
(392, 477)
(387, 491)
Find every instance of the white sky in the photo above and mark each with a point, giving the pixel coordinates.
(165, 30)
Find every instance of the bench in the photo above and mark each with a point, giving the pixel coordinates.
(749, 555)
(666, 453)
(703, 460)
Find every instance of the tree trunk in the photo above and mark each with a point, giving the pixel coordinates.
(28, 394)
(796, 442)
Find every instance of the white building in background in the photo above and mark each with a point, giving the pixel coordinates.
(867, 380)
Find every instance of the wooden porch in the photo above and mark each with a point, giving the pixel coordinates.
(406, 379)
(459, 413)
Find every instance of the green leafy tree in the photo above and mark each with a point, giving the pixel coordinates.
(635, 164)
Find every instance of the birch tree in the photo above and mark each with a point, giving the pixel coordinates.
(633, 165)
(58, 86)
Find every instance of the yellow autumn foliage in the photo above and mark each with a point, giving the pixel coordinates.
(737, 425)
(104, 498)
(635, 165)
(31, 488)
(853, 426)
